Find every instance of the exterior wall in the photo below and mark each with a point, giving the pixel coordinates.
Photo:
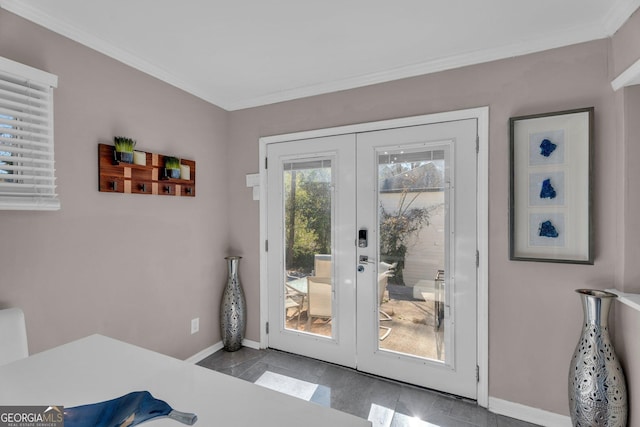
(137, 268)
(425, 252)
(534, 315)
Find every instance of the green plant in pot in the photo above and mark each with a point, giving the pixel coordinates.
(124, 149)
(172, 167)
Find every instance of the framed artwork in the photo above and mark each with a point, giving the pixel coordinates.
(550, 187)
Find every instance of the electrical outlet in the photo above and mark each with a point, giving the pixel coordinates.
(195, 325)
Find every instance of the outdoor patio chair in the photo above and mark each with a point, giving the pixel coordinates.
(322, 265)
(318, 299)
(385, 271)
(294, 299)
(433, 290)
(439, 299)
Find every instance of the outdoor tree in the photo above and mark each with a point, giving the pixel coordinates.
(307, 218)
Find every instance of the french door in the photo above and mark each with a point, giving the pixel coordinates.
(371, 257)
(312, 279)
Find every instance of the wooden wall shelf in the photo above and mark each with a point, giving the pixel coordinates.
(118, 177)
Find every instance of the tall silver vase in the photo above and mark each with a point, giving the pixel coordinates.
(597, 389)
(233, 308)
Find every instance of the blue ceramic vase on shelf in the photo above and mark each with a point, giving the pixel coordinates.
(233, 308)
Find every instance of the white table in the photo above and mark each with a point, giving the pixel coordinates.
(97, 368)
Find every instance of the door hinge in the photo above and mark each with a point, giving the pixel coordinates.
(267, 327)
(266, 162)
(477, 144)
(477, 259)
(477, 373)
(266, 246)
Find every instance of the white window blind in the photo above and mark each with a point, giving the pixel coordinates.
(27, 172)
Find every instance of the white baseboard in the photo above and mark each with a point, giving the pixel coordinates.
(204, 353)
(251, 344)
(218, 346)
(528, 414)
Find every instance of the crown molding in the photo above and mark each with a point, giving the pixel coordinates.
(100, 45)
(568, 37)
(610, 23)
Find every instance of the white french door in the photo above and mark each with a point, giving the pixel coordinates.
(309, 179)
(433, 175)
(371, 259)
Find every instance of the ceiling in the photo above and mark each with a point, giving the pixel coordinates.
(244, 53)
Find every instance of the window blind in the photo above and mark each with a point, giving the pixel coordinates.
(27, 168)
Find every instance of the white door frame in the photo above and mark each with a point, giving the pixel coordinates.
(482, 115)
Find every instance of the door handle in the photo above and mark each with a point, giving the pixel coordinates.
(364, 259)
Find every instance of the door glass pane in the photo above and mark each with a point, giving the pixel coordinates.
(308, 242)
(412, 223)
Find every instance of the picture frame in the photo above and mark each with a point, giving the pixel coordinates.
(550, 218)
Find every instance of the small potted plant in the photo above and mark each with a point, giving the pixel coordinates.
(172, 167)
(124, 149)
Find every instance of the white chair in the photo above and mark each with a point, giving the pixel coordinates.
(433, 290)
(13, 336)
(318, 299)
(322, 265)
(294, 299)
(440, 296)
(385, 271)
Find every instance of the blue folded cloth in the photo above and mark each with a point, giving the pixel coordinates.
(125, 411)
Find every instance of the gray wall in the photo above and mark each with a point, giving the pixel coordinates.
(132, 267)
(625, 49)
(534, 315)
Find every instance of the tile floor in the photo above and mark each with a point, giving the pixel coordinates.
(385, 403)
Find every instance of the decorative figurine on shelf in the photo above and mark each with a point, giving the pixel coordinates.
(124, 149)
(172, 167)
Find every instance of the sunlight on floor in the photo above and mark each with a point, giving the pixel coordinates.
(291, 386)
(382, 417)
(379, 416)
(297, 388)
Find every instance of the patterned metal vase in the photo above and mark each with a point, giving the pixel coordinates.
(597, 390)
(233, 309)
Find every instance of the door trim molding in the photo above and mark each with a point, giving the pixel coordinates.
(479, 113)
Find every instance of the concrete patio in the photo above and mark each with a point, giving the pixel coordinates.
(412, 325)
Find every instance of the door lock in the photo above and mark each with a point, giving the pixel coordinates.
(362, 238)
(361, 269)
